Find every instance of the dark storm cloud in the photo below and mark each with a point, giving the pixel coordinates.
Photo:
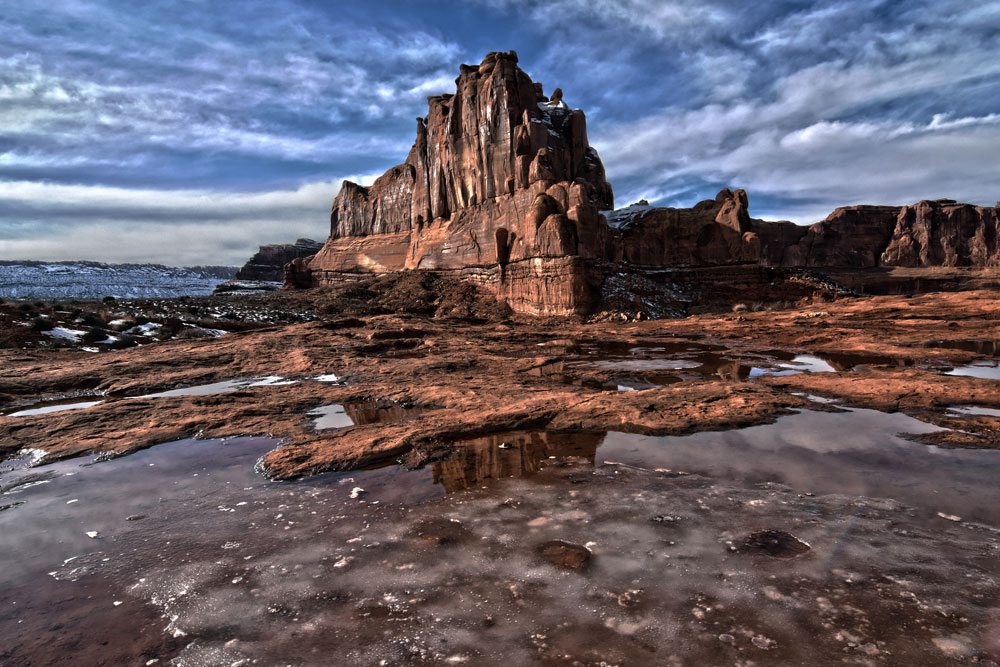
(170, 127)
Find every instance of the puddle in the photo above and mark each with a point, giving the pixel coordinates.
(196, 560)
(975, 410)
(223, 387)
(654, 365)
(337, 415)
(801, 363)
(511, 454)
(985, 370)
(51, 406)
(856, 452)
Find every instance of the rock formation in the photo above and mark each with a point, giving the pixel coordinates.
(502, 188)
(268, 263)
(500, 185)
(934, 233)
(714, 232)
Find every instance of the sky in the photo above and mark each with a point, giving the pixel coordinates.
(190, 132)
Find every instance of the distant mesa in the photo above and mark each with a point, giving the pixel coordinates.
(269, 261)
(502, 187)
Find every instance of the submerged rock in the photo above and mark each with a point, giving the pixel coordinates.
(774, 543)
(565, 554)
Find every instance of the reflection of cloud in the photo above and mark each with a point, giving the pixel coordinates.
(853, 453)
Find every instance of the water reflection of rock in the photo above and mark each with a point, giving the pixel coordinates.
(511, 454)
(374, 412)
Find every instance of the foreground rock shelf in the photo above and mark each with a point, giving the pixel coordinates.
(472, 490)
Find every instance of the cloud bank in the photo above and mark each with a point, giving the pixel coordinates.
(191, 132)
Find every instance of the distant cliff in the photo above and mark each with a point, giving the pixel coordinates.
(930, 233)
(268, 263)
(95, 280)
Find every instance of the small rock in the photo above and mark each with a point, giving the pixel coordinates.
(92, 534)
(949, 517)
(774, 543)
(565, 554)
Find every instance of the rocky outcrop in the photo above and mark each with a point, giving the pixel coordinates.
(937, 233)
(945, 233)
(268, 263)
(501, 188)
(500, 182)
(714, 232)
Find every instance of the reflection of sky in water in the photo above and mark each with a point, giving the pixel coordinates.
(799, 364)
(975, 410)
(985, 371)
(54, 407)
(856, 452)
(330, 416)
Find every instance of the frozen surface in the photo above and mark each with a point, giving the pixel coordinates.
(65, 333)
(975, 410)
(988, 371)
(54, 406)
(198, 560)
(222, 387)
(95, 280)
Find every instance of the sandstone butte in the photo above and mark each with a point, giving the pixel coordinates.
(502, 188)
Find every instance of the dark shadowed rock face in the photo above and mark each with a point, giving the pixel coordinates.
(268, 263)
(713, 232)
(927, 234)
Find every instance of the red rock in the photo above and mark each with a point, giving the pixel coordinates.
(475, 195)
(565, 554)
(927, 234)
(501, 188)
(714, 232)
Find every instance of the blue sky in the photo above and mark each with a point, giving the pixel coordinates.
(190, 132)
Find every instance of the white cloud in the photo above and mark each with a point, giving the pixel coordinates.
(166, 226)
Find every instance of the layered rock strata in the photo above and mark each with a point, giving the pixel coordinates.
(268, 263)
(500, 183)
(502, 188)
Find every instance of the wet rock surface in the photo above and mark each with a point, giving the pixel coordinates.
(774, 543)
(565, 554)
(416, 539)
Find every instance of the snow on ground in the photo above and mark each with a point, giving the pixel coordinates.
(94, 280)
(624, 217)
(66, 334)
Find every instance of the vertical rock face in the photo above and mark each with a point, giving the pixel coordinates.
(927, 234)
(502, 187)
(497, 175)
(715, 232)
(944, 233)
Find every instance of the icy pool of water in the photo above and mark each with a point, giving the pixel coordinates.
(988, 371)
(47, 407)
(181, 552)
(975, 410)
